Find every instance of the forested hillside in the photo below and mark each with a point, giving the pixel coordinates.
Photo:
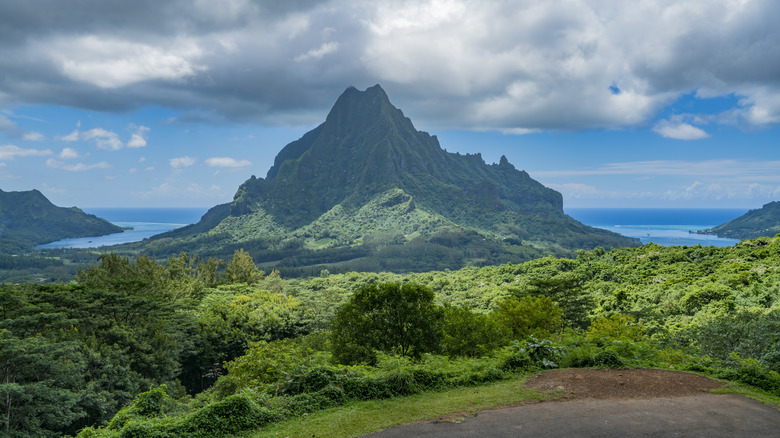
(764, 221)
(235, 348)
(28, 219)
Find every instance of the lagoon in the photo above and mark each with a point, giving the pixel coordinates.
(146, 222)
(663, 226)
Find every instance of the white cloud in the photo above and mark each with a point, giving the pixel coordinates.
(103, 138)
(69, 154)
(180, 162)
(227, 162)
(138, 138)
(32, 136)
(319, 52)
(9, 152)
(73, 136)
(722, 168)
(679, 130)
(722, 190)
(75, 167)
(579, 191)
(109, 62)
(168, 190)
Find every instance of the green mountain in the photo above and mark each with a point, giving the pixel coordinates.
(28, 219)
(764, 221)
(365, 188)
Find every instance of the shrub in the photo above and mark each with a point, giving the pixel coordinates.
(536, 316)
(617, 326)
(149, 404)
(581, 354)
(467, 333)
(264, 364)
(754, 373)
(531, 353)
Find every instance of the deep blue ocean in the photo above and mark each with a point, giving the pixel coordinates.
(664, 226)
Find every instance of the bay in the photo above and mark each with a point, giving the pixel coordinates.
(662, 226)
(145, 223)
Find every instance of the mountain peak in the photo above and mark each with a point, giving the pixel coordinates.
(359, 109)
(357, 120)
(367, 175)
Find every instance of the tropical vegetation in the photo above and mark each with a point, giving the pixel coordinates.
(193, 347)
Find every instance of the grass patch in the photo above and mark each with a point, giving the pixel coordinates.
(750, 392)
(360, 418)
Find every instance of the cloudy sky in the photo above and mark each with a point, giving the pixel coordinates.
(174, 103)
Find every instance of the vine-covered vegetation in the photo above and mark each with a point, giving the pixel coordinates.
(192, 347)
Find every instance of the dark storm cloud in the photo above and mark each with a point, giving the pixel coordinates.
(514, 66)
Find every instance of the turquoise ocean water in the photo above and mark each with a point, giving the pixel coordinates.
(664, 226)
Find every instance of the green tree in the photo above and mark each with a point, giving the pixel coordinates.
(564, 282)
(39, 385)
(231, 317)
(242, 269)
(389, 317)
(617, 327)
(467, 333)
(536, 316)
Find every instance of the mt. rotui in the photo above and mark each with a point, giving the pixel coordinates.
(368, 191)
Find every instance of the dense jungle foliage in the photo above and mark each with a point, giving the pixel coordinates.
(192, 347)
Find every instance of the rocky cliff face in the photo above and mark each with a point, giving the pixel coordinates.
(367, 146)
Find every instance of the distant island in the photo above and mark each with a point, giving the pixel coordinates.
(764, 221)
(367, 191)
(28, 219)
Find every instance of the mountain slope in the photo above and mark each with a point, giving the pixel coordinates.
(764, 221)
(28, 219)
(367, 185)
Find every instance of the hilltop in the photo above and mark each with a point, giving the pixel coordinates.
(28, 219)
(764, 221)
(367, 190)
